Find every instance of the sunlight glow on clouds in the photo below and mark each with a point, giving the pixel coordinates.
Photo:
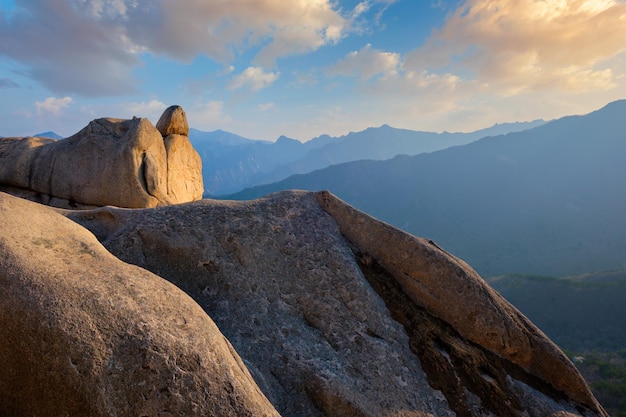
(264, 68)
(518, 45)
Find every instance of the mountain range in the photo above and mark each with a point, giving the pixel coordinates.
(549, 200)
(232, 163)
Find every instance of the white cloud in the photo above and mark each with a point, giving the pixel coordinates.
(152, 109)
(52, 105)
(265, 106)
(207, 115)
(254, 78)
(367, 63)
(91, 46)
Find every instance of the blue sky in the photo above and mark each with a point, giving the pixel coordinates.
(265, 68)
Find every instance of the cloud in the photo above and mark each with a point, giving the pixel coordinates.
(152, 109)
(183, 30)
(207, 115)
(65, 51)
(52, 105)
(366, 63)
(7, 83)
(525, 45)
(265, 106)
(90, 47)
(254, 78)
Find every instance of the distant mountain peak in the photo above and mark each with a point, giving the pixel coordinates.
(284, 139)
(49, 134)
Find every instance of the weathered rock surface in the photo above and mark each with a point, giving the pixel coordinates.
(85, 334)
(173, 121)
(125, 163)
(337, 314)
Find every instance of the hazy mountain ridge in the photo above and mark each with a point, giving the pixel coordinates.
(550, 200)
(232, 163)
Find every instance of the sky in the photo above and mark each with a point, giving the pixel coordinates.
(302, 68)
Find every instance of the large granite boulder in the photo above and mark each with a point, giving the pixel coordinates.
(338, 314)
(125, 163)
(85, 334)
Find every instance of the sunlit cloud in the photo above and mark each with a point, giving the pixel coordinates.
(253, 77)
(52, 105)
(523, 45)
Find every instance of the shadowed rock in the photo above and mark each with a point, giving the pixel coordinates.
(451, 290)
(125, 163)
(85, 334)
(338, 314)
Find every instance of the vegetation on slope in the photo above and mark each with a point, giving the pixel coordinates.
(586, 316)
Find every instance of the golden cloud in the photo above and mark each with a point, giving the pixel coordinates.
(518, 45)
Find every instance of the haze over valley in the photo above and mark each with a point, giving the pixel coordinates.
(549, 200)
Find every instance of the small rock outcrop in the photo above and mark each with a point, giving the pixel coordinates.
(338, 314)
(124, 163)
(173, 121)
(85, 334)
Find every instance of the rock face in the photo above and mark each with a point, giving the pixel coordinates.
(337, 314)
(85, 334)
(125, 163)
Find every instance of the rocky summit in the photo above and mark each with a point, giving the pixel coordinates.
(295, 304)
(125, 163)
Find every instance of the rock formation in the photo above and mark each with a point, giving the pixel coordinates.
(338, 314)
(85, 334)
(330, 312)
(125, 163)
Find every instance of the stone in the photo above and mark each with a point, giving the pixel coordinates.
(338, 314)
(173, 121)
(85, 334)
(124, 163)
(452, 291)
(184, 173)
